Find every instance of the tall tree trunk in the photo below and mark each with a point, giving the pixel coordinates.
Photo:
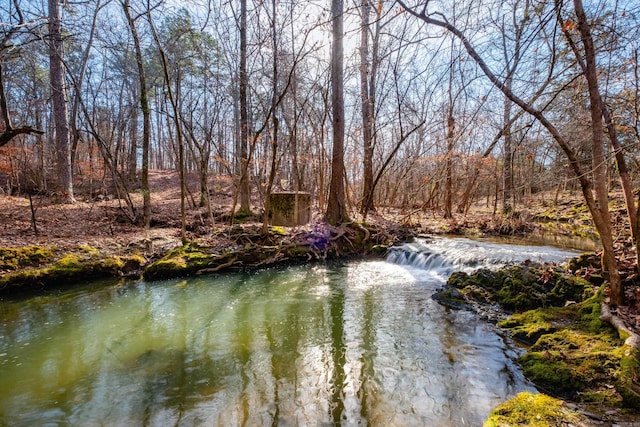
(59, 101)
(243, 185)
(75, 133)
(367, 112)
(507, 156)
(336, 208)
(598, 158)
(623, 170)
(451, 124)
(275, 123)
(133, 144)
(146, 117)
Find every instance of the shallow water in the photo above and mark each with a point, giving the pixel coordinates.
(355, 343)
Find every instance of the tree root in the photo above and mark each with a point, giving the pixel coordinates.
(217, 268)
(633, 339)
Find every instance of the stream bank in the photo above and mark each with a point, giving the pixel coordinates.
(573, 352)
(33, 269)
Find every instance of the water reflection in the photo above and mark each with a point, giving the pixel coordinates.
(360, 343)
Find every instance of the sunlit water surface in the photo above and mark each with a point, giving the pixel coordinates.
(356, 343)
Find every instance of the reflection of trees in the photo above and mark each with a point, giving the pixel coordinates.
(283, 337)
(369, 352)
(338, 351)
(455, 388)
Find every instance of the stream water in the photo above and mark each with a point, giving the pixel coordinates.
(356, 343)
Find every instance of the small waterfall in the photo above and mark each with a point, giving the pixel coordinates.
(420, 256)
(445, 255)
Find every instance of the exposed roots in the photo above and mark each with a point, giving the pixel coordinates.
(633, 339)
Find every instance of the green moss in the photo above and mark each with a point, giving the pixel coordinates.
(548, 371)
(530, 409)
(522, 287)
(27, 256)
(450, 297)
(529, 326)
(182, 261)
(569, 362)
(89, 250)
(574, 355)
(277, 230)
(585, 260)
(579, 208)
(242, 216)
(628, 377)
(72, 267)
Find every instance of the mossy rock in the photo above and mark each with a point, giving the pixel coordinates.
(548, 371)
(522, 287)
(27, 256)
(537, 410)
(182, 261)
(585, 260)
(569, 362)
(450, 297)
(73, 267)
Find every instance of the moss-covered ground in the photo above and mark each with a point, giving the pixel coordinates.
(571, 353)
(33, 268)
(535, 410)
(575, 355)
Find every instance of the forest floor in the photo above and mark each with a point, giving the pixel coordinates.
(99, 223)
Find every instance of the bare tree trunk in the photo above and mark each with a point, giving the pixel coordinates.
(245, 178)
(336, 208)
(59, 101)
(75, 133)
(176, 120)
(133, 144)
(146, 117)
(367, 111)
(275, 123)
(448, 184)
(623, 170)
(507, 156)
(598, 158)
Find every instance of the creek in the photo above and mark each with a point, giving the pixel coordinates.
(358, 342)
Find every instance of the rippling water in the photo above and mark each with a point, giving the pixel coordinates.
(355, 343)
